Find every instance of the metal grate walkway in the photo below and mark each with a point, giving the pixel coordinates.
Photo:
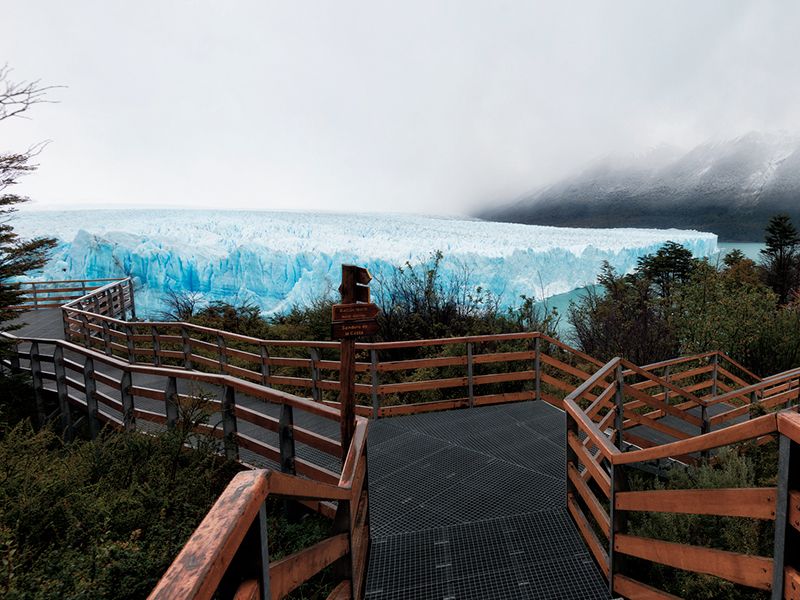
(470, 504)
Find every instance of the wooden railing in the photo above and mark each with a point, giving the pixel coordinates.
(38, 295)
(220, 552)
(598, 470)
(90, 389)
(464, 371)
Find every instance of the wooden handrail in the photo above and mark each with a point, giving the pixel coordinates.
(730, 435)
(197, 570)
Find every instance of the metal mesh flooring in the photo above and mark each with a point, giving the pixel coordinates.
(470, 504)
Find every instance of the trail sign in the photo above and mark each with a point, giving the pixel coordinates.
(353, 312)
(354, 317)
(353, 329)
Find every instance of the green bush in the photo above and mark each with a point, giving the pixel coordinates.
(101, 519)
(751, 466)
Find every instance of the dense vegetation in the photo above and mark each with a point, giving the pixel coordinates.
(674, 305)
(100, 519)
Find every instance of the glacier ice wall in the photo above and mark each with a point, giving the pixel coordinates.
(276, 259)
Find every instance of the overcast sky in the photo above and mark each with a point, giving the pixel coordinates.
(421, 106)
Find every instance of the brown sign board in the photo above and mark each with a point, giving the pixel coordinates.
(351, 329)
(353, 312)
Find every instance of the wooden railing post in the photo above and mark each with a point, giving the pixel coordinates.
(171, 401)
(537, 366)
(65, 323)
(62, 391)
(314, 356)
(373, 368)
(35, 296)
(13, 360)
(87, 335)
(107, 338)
(264, 365)
(229, 423)
(90, 388)
(286, 444)
(618, 525)
(753, 403)
(38, 383)
(156, 346)
(715, 375)
(133, 302)
(187, 349)
(286, 439)
(665, 388)
(619, 402)
(222, 352)
(130, 343)
(128, 415)
(786, 550)
(109, 302)
(470, 377)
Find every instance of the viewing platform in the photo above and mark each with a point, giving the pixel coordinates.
(499, 473)
(464, 504)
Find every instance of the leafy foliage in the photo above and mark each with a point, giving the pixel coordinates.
(98, 519)
(673, 305)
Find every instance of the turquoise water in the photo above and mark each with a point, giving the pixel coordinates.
(750, 249)
(561, 301)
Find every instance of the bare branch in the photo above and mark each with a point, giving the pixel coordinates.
(18, 97)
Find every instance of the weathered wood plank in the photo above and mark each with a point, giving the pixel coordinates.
(630, 588)
(753, 571)
(756, 503)
(288, 573)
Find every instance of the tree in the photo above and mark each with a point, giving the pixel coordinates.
(780, 257)
(672, 264)
(17, 256)
(626, 318)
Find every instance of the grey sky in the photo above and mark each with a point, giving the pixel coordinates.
(403, 106)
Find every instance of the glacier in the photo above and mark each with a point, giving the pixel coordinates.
(280, 259)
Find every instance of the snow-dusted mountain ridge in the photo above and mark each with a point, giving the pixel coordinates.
(276, 259)
(731, 188)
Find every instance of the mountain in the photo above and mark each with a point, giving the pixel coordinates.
(730, 188)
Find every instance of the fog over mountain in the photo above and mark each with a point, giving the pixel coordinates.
(730, 188)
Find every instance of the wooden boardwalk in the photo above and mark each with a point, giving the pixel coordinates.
(464, 504)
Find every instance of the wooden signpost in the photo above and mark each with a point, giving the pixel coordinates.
(354, 317)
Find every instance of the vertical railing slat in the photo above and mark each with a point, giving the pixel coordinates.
(229, 423)
(62, 392)
(373, 368)
(315, 391)
(470, 379)
(90, 388)
(171, 402)
(128, 415)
